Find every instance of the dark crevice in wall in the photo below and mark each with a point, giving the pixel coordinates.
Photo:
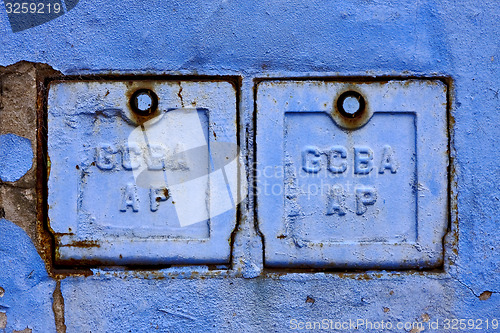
(58, 308)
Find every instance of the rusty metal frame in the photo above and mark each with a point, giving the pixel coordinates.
(47, 241)
(450, 239)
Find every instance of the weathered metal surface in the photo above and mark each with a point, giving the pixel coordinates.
(255, 40)
(366, 189)
(133, 187)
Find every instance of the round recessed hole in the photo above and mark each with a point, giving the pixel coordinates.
(351, 104)
(144, 102)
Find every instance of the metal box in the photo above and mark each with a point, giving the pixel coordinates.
(142, 171)
(352, 174)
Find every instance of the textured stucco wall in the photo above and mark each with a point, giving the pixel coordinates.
(258, 39)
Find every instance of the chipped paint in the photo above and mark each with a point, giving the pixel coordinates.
(255, 40)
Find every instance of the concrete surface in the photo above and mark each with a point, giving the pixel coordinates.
(253, 39)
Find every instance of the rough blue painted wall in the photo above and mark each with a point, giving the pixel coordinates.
(26, 287)
(277, 38)
(16, 157)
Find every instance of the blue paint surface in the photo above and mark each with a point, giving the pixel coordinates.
(340, 194)
(287, 39)
(16, 157)
(107, 171)
(27, 298)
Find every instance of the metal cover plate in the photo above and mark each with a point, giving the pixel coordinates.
(126, 188)
(366, 192)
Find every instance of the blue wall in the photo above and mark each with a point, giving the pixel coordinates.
(276, 39)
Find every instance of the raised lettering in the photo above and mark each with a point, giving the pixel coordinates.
(131, 156)
(388, 160)
(363, 160)
(311, 159)
(337, 154)
(336, 201)
(105, 156)
(156, 195)
(129, 198)
(365, 196)
(155, 157)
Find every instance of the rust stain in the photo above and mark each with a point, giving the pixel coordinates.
(363, 276)
(453, 232)
(179, 94)
(45, 242)
(407, 83)
(132, 87)
(485, 295)
(311, 300)
(84, 244)
(48, 165)
(361, 117)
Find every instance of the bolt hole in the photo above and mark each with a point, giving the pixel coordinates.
(351, 104)
(144, 102)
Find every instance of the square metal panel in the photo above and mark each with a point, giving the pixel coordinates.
(142, 171)
(352, 174)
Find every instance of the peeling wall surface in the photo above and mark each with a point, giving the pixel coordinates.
(242, 44)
